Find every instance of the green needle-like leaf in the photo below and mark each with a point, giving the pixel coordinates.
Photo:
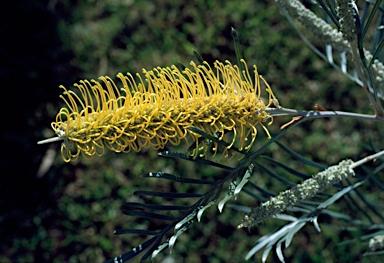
(166, 195)
(239, 54)
(171, 177)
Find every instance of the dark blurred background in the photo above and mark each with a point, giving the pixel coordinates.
(52, 211)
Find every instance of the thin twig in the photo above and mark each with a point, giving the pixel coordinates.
(321, 114)
(367, 159)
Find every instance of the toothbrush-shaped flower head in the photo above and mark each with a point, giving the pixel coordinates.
(159, 108)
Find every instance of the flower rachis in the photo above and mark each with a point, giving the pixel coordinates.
(149, 114)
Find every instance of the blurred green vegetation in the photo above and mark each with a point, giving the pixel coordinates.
(68, 214)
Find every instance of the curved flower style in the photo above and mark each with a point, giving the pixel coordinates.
(223, 102)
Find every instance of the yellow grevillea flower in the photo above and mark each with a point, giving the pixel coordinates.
(223, 102)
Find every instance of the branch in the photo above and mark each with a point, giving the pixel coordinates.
(321, 114)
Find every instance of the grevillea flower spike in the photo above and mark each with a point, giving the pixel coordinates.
(223, 102)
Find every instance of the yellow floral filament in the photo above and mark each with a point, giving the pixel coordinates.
(223, 102)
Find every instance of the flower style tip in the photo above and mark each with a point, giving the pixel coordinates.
(150, 113)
